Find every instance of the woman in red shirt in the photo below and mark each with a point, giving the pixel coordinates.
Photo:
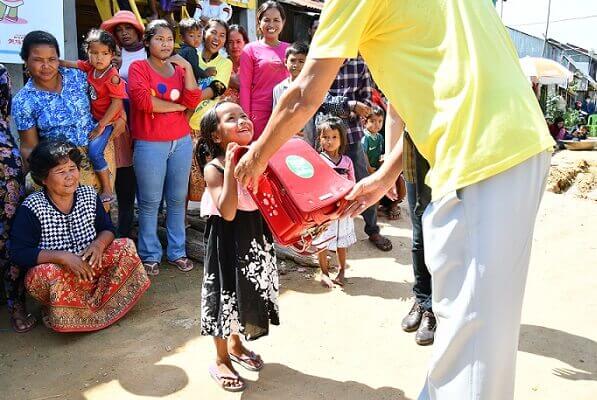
(161, 89)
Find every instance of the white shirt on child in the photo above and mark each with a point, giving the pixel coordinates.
(222, 11)
(279, 90)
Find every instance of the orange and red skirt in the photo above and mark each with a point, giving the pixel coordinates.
(81, 306)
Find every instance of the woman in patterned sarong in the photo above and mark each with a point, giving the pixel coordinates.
(63, 242)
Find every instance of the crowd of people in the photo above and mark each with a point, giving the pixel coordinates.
(174, 115)
(176, 118)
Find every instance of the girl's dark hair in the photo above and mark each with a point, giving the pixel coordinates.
(336, 124)
(100, 36)
(241, 30)
(152, 29)
(377, 111)
(558, 119)
(207, 149)
(268, 5)
(220, 22)
(37, 38)
(50, 153)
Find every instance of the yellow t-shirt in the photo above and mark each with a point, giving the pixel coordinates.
(450, 70)
(223, 66)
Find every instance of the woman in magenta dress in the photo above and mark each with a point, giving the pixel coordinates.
(262, 65)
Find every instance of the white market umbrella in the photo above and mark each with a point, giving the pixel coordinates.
(546, 71)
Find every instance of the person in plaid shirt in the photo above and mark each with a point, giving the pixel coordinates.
(354, 83)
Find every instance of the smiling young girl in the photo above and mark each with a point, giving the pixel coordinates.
(262, 65)
(240, 281)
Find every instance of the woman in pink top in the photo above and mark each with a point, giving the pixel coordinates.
(262, 65)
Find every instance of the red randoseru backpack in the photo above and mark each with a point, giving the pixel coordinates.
(299, 194)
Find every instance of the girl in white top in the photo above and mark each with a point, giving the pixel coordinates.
(212, 9)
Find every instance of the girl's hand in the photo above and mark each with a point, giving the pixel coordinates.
(181, 62)
(93, 254)
(229, 159)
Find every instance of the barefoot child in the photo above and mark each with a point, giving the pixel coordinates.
(240, 284)
(332, 142)
(107, 91)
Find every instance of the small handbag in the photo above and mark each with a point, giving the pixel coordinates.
(298, 195)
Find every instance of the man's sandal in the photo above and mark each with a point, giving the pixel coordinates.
(393, 212)
(251, 361)
(237, 383)
(381, 242)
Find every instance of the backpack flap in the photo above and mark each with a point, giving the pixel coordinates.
(308, 180)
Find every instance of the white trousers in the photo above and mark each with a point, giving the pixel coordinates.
(477, 247)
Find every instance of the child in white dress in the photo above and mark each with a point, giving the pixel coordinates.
(340, 234)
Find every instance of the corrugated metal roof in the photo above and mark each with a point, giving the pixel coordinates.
(315, 5)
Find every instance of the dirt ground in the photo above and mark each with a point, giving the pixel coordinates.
(332, 343)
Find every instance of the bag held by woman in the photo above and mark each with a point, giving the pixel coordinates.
(298, 195)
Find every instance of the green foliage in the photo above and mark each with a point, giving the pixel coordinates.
(552, 109)
(571, 118)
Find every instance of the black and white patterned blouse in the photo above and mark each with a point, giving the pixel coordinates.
(40, 225)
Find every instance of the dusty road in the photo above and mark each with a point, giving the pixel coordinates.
(331, 344)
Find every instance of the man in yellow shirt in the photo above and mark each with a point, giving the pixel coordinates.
(450, 70)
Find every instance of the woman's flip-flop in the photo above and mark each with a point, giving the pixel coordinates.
(19, 316)
(221, 380)
(245, 360)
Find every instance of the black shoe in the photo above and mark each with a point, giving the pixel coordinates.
(426, 331)
(411, 322)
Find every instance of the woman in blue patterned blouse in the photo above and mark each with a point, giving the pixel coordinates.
(54, 103)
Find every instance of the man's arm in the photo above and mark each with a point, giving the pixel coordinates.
(296, 106)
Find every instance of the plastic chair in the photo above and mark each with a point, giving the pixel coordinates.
(592, 125)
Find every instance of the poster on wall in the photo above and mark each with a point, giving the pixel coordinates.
(18, 17)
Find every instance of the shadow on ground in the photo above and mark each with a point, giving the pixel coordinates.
(364, 286)
(49, 365)
(566, 347)
(277, 381)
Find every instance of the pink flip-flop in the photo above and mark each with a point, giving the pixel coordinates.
(219, 378)
(244, 361)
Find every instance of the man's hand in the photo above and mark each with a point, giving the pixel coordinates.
(361, 109)
(366, 193)
(249, 169)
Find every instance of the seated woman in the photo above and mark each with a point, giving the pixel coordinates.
(54, 103)
(63, 243)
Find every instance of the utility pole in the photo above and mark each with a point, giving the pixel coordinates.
(546, 28)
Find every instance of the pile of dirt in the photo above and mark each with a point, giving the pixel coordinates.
(562, 177)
